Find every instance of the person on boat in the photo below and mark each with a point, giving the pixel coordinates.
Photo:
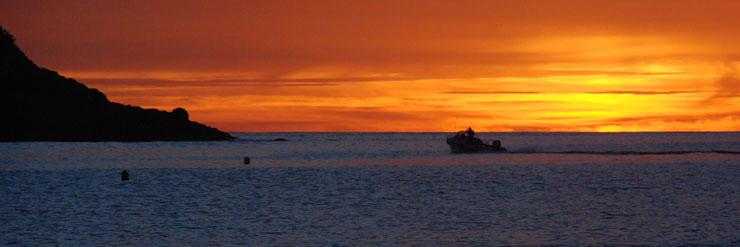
(470, 132)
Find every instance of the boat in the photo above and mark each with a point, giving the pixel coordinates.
(466, 142)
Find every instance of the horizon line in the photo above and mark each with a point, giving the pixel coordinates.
(420, 132)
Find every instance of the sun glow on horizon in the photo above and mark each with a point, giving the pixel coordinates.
(606, 66)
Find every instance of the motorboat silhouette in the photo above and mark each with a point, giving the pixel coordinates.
(466, 142)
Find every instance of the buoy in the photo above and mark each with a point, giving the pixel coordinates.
(124, 175)
(246, 160)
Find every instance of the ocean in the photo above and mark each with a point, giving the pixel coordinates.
(359, 189)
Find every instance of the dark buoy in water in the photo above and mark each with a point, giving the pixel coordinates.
(246, 160)
(124, 175)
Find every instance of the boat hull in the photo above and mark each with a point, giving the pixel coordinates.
(462, 146)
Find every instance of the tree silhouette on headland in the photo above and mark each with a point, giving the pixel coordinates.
(38, 104)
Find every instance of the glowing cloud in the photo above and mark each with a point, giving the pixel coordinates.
(402, 66)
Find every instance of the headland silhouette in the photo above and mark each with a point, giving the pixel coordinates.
(38, 104)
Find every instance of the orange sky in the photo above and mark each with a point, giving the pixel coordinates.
(401, 65)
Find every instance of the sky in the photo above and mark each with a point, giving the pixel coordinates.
(402, 66)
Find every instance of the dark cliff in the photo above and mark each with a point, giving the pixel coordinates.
(38, 104)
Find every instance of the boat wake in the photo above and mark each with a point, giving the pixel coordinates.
(627, 152)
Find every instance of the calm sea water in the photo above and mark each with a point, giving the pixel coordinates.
(375, 189)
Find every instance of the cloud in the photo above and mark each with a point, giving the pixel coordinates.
(336, 118)
(588, 92)
(466, 39)
(697, 117)
(646, 92)
(415, 64)
(490, 92)
(159, 83)
(729, 84)
(572, 72)
(727, 88)
(517, 103)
